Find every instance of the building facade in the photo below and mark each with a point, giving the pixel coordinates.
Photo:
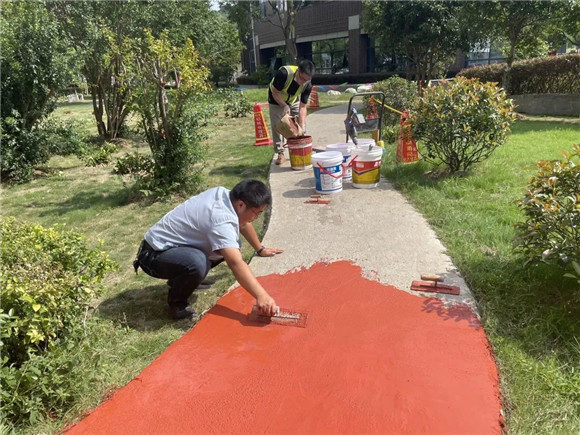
(328, 32)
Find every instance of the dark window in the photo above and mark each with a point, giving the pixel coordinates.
(331, 56)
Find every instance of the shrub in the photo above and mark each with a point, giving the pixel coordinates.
(399, 94)
(169, 120)
(551, 206)
(134, 163)
(237, 106)
(49, 277)
(24, 150)
(101, 155)
(263, 75)
(462, 122)
(545, 75)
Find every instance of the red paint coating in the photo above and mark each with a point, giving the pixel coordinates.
(371, 359)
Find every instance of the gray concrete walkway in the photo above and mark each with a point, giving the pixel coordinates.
(376, 229)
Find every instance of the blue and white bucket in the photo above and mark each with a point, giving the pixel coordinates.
(327, 167)
(346, 149)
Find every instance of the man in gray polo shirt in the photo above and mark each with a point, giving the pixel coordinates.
(202, 232)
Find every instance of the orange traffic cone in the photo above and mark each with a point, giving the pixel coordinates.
(313, 100)
(406, 145)
(262, 134)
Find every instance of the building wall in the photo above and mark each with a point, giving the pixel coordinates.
(320, 20)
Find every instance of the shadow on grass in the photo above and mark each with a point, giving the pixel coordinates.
(241, 171)
(142, 309)
(95, 199)
(145, 308)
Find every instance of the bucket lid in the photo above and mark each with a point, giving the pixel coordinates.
(327, 156)
(346, 146)
(363, 141)
(373, 152)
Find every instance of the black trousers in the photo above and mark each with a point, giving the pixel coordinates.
(183, 267)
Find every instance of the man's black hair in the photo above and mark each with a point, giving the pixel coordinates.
(253, 192)
(307, 67)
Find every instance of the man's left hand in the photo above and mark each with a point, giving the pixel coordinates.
(270, 252)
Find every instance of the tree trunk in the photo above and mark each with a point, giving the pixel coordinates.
(98, 112)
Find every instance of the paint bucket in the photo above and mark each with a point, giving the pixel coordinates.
(346, 150)
(300, 150)
(363, 141)
(366, 167)
(327, 167)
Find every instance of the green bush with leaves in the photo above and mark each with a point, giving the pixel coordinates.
(100, 155)
(49, 278)
(134, 163)
(462, 122)
(400, 94)
(543, 75)
(237, 106)
(168, 115)
(23, 149)
(551, 230)
(263, 75)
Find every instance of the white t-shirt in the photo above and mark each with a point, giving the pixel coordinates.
(207, 222)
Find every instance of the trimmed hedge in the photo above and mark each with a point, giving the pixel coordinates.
(545, 75)
(334, 79)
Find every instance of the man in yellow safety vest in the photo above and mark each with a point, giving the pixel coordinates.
(288, 93)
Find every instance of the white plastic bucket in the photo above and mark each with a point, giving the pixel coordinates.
(364, 141)
(346, 150)
(327, 167)
(366, 167)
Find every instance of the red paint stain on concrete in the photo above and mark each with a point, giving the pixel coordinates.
(372, 359)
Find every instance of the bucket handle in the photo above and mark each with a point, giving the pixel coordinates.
(323, 169)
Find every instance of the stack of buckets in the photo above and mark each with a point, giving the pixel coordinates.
(345, 162)
(341, 162)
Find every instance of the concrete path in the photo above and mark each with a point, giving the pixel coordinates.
(374, 228)
(374, 357)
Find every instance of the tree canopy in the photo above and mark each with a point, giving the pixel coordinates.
(428, 33)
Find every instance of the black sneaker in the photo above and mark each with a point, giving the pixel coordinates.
(181, 312)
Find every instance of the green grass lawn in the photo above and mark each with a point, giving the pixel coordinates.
(531, 315)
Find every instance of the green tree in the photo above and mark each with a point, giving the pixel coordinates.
(101, 33)
(565, 27)
(241, 13)
(214, 36)
(519, 27)
(429, 33)
(35, 65)
(168, 78)
(35, 62)
(283, 15)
